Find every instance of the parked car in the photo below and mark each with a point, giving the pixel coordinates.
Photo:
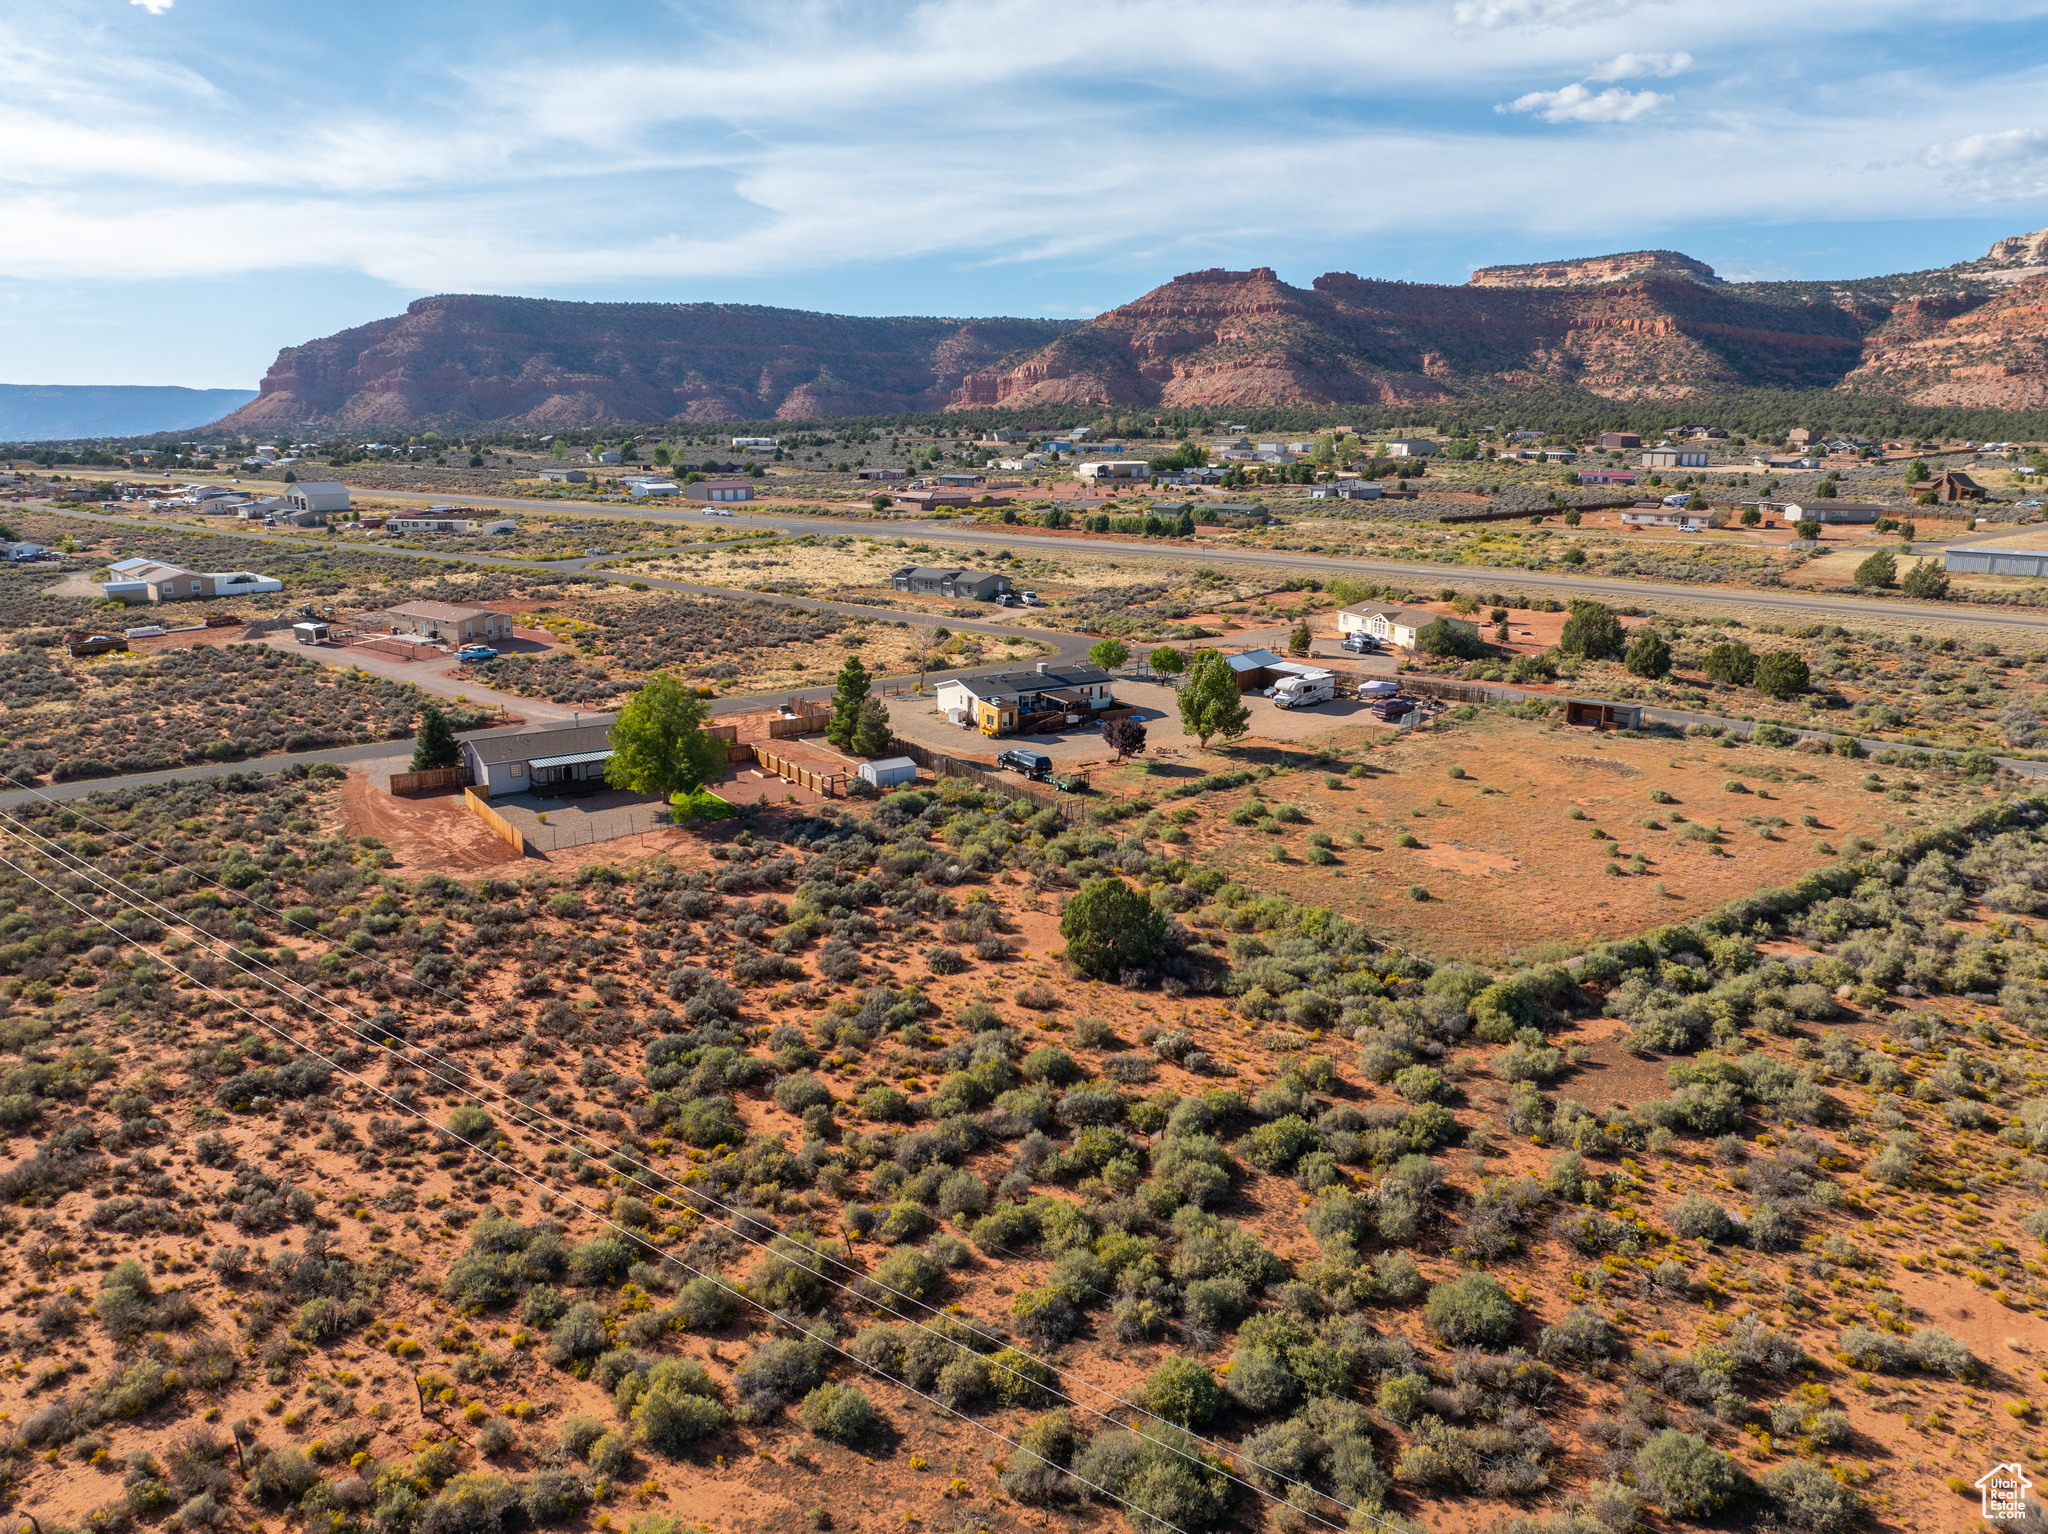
(94, 644)
(1393, 708)
(1033, 764)
(474, 653)
(716, 511)
(1361, 644)
(1008, 599)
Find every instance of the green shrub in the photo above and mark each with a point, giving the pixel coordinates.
(1810, 1500)
(470, 1124)
(839, 1412)
(1472, 1310)
(1685, 1475)
(1182, 1390)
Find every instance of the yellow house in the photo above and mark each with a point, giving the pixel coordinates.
(995, 716)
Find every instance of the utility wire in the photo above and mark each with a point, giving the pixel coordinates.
(602, 1219)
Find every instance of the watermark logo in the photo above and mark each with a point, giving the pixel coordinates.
(2004, 1489)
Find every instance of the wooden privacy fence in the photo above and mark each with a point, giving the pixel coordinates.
(494, 820)
(726, 732)
(738, 751)
(827, 785)
(432, 778)
(809, 722)
(940, 765)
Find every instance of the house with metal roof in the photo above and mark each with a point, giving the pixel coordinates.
(446, 621)
(995, 704)
(537, 759)
(152, 580)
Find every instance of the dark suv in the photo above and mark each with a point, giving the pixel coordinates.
(1032, 764)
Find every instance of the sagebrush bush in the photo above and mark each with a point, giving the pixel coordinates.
(839, 1412)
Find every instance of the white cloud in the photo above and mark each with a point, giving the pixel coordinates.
(1536, 13)
(154, 7)
(1631, 66)
(1576, 104)
(1991, 166)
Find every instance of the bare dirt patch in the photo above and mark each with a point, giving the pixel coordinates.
(429, 833)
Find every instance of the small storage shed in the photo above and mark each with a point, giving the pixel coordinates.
(1601, 715)
(888, 772)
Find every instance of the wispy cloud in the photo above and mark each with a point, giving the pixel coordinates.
(1577, 104)
(154, 7)
(1633, 66)
(1536, 13)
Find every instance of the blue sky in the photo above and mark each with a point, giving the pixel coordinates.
(191, 184)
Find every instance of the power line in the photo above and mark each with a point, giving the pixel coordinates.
(691, 1194)
(600, 1218)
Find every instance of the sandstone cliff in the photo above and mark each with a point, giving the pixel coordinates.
(1642, 324)
(536, 363)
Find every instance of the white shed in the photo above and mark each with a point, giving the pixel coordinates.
(889, 772)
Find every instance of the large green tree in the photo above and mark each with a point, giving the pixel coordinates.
(1210, 704)
(659, 745)
(871, 733)
(850, 691)
(1782, 674)
(435, 745)
(1880, 569)
(1648, 655)
(1109, 653)
(1110, 927)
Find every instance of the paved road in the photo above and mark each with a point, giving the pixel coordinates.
(1549, 583)
(1067, 646)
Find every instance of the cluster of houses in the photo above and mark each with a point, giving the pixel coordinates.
(308, 503)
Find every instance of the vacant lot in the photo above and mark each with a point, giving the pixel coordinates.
(144, 711)
(1546, 835)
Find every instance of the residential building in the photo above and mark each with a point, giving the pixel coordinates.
(720, 490)
(445, 621)
(1617, 441)
(539, 758)
(1607, 476)
(1393, 625)
(250, 509)
(1674, 458)
(754, 444)
(938, 581)
(931, 498)
(1348, 490)
(638, 485)
(1802, 436)
(1783, 461)
(602, 455)
(286, 516)
(1408, 447)
(1707, 433)
(461, 527)
(565, 476)
(1131, 468)
(996, 704)
(317, 495)
(1665, 516)
(152, 580)
(1559, 455)
(1954, 485)
(22, 553)
(883, 474)
(962, 481)
(997, 438)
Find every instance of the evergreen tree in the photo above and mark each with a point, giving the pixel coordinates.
(1592, 631)
(1185, 527)
(871, 732)
(1648, 655)
(1926, 581)
(1880, 569)
(1301, 639)
(1209, 702)
(435, 746)
(852, 687)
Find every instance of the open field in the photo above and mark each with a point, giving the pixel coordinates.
(1739, 1211)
